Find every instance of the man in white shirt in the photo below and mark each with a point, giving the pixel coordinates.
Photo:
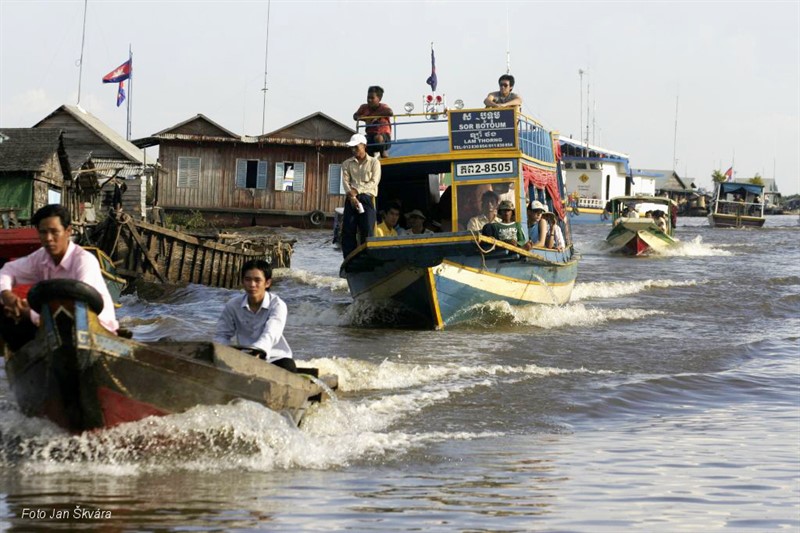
(361, 175)
(256, 319)
(58, 258)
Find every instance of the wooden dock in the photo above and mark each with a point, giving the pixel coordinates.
(147, 252)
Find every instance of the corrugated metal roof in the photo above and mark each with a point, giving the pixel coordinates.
(114, 139)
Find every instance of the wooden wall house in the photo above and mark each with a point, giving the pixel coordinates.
(96, 151)
(282, 177)
(33, 170)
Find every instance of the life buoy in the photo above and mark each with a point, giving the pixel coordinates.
(71, 289)
(317, 218)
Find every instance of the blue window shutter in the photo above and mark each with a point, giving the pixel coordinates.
(261, 179)
(299, 182)
(278, 176)
(241, 173)
(335, 185)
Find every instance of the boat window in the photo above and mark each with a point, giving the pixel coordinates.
(580, 166)
(468, 199)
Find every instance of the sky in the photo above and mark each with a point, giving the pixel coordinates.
(691, 86)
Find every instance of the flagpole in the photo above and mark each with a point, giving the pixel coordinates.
(130, 93)
(264, 90)
(80, 61)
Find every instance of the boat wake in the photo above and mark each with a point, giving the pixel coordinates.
(616, 289)
(572, 315)
(371, 420)
(304, 277)
(694, 248)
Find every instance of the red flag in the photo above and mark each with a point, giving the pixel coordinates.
(729, 174)
(121, 73)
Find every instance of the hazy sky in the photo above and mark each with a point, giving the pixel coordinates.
(734, 68)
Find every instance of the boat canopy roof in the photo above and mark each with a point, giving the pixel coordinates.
(661, 200)
(730, 187)
(420, 146)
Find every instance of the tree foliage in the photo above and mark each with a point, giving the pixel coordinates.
(718, 176)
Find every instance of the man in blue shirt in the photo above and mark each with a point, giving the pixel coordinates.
(257, 318)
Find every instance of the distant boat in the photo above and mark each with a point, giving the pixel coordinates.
(736, 205)
(640, 234)
(434, 278)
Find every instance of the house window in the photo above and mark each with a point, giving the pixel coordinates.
(335, 185)
(251, 174)
(189, 172)
(290, 176)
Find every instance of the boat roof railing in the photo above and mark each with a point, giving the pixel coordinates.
(468, 134)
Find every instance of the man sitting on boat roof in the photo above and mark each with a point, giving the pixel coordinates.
(58, 258)
(257, 318)
(379, 131)
(504, 97)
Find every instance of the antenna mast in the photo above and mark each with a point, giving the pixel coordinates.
(675, 137)
(508, 45)
(264, 90)
(80, 61)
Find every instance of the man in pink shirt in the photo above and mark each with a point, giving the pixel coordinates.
(58, 258)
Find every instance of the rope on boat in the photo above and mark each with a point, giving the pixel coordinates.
(476, 238)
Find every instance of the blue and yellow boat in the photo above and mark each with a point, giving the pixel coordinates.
(436, 278)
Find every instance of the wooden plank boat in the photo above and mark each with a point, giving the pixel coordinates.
(640, 235)
(152, 253)
(737, 205)
(431, 279)
(82, 377)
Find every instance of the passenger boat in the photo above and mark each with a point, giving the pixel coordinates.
(736, 205)
(82, 377)
(434, 279)
(639, 234)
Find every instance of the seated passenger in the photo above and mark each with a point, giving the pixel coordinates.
(659, 217)
(537, 233)
(256, 319)
(489, 201)
(555, 237)
(631, 212)
(416, 223)
(387, 228)
(507, 230)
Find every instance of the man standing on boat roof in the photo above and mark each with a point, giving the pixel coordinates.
(361, 175)
(504, 97)
(58, 258)
(379, 131)
(257, 318)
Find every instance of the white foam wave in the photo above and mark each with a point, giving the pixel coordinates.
(247, 436)
(694, 248)
(554, 316)
(305, 277)
(313, 314)
(615, 289)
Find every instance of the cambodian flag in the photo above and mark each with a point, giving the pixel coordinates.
(121, 73)
(729, 174)
(432, 81)
(121, 93)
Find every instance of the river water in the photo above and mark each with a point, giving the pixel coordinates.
(664, 397)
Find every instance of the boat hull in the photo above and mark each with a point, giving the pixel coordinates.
(82, 377)
(720, 220)
(638, 237)
(438, 279)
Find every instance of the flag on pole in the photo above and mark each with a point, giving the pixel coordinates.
(432, 81)
(121, 93)
(121, 73)
(729, 174)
